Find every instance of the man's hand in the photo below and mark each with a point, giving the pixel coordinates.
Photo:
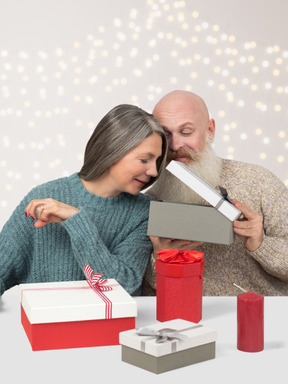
(160, 243)
(250, 227)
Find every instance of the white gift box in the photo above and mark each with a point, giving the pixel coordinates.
(169, 345)
(71, 314)
(202, 188)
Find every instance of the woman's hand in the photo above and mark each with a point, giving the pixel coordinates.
(49, 211)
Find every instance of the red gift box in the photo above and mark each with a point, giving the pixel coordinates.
(179, 290)
(75, 334)
(76, 314)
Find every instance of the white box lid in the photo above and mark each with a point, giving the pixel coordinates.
(73, 301)
(202, 188)
(195, 334)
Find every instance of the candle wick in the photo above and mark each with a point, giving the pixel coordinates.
(239, 287)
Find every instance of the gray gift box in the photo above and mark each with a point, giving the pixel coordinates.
(169, 345)
(189, 222)
(208, 223)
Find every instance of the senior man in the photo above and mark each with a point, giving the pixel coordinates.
(258, 258)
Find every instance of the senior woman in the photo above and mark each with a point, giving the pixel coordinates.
(97, 216)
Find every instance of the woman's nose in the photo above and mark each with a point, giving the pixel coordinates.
(152, 171)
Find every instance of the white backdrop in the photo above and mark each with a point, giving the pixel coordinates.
(65, 63)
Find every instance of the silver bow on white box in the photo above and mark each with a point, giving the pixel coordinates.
(164, 335)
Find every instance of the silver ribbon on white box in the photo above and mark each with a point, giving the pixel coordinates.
(164, 335)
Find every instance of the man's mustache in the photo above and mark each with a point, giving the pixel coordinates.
(190, 155)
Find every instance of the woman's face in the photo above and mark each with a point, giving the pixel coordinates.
(134, 170)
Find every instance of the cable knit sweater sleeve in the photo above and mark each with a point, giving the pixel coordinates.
(124, 260)
(261, 190)
(273, 252)
(110, 234)
(16, 246)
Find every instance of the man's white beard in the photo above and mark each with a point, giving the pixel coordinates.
(206, 165)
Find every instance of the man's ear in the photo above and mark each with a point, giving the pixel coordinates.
(211, 128)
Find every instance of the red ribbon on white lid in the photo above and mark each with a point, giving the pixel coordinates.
(96, 283)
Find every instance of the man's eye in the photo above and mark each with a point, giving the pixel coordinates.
(144, 161)
(186, 133)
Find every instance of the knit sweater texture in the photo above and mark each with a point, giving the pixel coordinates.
(109, 234)
(263, 271)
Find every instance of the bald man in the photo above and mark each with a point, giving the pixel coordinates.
(258, 258)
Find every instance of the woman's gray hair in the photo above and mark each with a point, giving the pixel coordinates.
(120, 130)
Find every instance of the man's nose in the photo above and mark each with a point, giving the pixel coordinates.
(175, 143)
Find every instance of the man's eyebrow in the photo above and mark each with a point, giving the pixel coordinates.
(188, 124)
(182, 126)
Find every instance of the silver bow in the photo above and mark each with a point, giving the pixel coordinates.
(162, 335)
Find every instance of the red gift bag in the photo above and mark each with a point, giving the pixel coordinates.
(179, 289)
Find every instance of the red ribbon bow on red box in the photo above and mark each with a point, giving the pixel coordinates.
(95, 282)
(179, 257)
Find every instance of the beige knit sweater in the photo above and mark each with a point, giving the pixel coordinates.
(263, 271)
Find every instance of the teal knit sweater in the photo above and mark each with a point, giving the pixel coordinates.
(109, 234)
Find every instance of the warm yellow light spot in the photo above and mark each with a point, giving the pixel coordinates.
(226, 138)
(280, 159)
(279, 89)
(258, 131)
(254, 87)
(263, 156)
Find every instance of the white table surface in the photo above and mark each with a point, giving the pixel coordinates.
(20, 363)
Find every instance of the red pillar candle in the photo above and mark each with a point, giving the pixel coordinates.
(250, 322)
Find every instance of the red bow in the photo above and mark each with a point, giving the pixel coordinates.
(95, 281)
(179, 257)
